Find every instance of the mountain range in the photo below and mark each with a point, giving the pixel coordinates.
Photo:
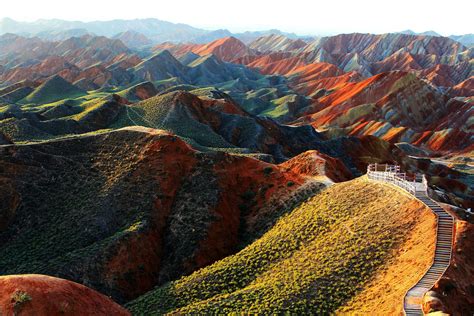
(148, 167)
(153, 29)
(465, 39)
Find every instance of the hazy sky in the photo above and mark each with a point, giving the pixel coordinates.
(300, 16)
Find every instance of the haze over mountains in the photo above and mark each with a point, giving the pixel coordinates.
(180, 170)
(154, 30)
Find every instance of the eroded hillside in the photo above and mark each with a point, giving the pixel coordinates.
(341, 250)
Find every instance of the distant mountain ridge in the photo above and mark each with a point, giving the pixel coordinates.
(155, 30)
(465, 39)
(133, 39)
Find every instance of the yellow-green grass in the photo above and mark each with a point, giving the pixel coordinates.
(163, 112)
(313, 261)
(280, 108)
(52, 90)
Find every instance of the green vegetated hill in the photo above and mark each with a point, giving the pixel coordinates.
(123, 211)
(53, 89)
(312, 261)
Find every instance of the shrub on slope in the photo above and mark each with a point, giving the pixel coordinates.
(218, 123)
(312, 261)
(124, 211)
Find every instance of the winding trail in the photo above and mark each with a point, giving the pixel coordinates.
(412, 302)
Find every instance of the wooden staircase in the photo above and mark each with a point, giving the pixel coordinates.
(412, 302)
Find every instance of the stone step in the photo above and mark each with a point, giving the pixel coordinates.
(444, 250)
(439, 272)
(428, 281)
(434, 276)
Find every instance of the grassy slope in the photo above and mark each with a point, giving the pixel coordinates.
(314, 260)
(77, 194)
(53, 90)
(160, 112)
(385, 292)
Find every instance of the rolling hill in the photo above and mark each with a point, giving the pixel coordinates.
(44, 295)
(53, 89)
(106, 198)
(315, 259)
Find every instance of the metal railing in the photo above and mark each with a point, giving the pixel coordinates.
(392, 174)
